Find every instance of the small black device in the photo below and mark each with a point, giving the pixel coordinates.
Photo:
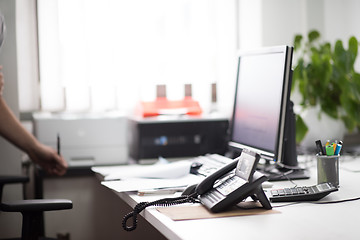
(319, 147)
(305, 193)
(208, 164)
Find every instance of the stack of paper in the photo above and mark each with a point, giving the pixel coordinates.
(141, 177)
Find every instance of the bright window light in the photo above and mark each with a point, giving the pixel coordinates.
(101, 55)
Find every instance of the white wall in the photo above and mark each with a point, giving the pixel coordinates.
(9, 156)
(341, 20)
(27, 52)
(282, 19)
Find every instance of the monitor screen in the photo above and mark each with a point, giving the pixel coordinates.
(261, 97)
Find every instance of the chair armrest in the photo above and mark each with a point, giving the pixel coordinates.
(36, 205)
(13, 179)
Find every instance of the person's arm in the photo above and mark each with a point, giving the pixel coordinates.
(1, 82)
(12, 130)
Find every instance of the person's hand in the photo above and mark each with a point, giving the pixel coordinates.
(1, 81)
(48, 159)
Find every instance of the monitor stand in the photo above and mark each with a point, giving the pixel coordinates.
(288, 169)
(275, 173)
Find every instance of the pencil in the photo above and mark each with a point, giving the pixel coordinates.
(58, 143)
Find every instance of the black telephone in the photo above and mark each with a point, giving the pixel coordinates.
(224, 188)
(233, 183)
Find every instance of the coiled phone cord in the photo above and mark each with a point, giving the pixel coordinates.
(161, 202)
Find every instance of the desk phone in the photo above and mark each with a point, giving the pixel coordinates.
(221, 190)
(233, 183)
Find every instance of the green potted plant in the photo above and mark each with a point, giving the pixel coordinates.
(325, 77)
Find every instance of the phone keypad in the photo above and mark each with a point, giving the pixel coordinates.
(230, 185)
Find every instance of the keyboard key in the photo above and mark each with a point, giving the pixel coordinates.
(274, 192)
(294, 191)
(288, 191)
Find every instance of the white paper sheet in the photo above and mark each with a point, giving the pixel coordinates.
(136, 184)
(163, 170)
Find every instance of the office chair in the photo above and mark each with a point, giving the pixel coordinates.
(31, 210)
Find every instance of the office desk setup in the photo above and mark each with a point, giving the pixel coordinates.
(333, 217)
(262, 121)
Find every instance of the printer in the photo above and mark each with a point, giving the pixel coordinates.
(86, 139)
(176, 136)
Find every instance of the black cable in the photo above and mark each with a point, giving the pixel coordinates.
(316, 202)
(289, 167)
(279, 176)
(289, 179)
(339, 201)
(161, 202)
(288, 204)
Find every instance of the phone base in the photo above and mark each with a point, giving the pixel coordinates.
(260, 195)
(216, 201)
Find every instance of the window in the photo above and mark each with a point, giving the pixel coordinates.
(103, 55)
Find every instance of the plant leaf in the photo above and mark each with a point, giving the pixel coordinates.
(340, 58)
(301, 129)
(350, 124)
(297, 42)
(313, 35)
(356, 82)
(325, 75)
(353, 49)
(351, 107)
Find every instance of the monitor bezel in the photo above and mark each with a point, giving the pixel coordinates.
(278, 154)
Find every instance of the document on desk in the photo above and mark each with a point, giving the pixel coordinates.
(157, 170)
(135, 184)
(148, 177)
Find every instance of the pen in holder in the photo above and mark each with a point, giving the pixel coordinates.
(328, 169)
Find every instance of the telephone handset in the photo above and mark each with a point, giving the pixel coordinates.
(224, 188)
(233, 183)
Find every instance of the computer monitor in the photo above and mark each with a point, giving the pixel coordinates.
(263, 119)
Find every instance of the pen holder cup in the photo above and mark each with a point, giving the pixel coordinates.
(328, 169)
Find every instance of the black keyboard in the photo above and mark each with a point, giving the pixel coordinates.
(310, 193)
